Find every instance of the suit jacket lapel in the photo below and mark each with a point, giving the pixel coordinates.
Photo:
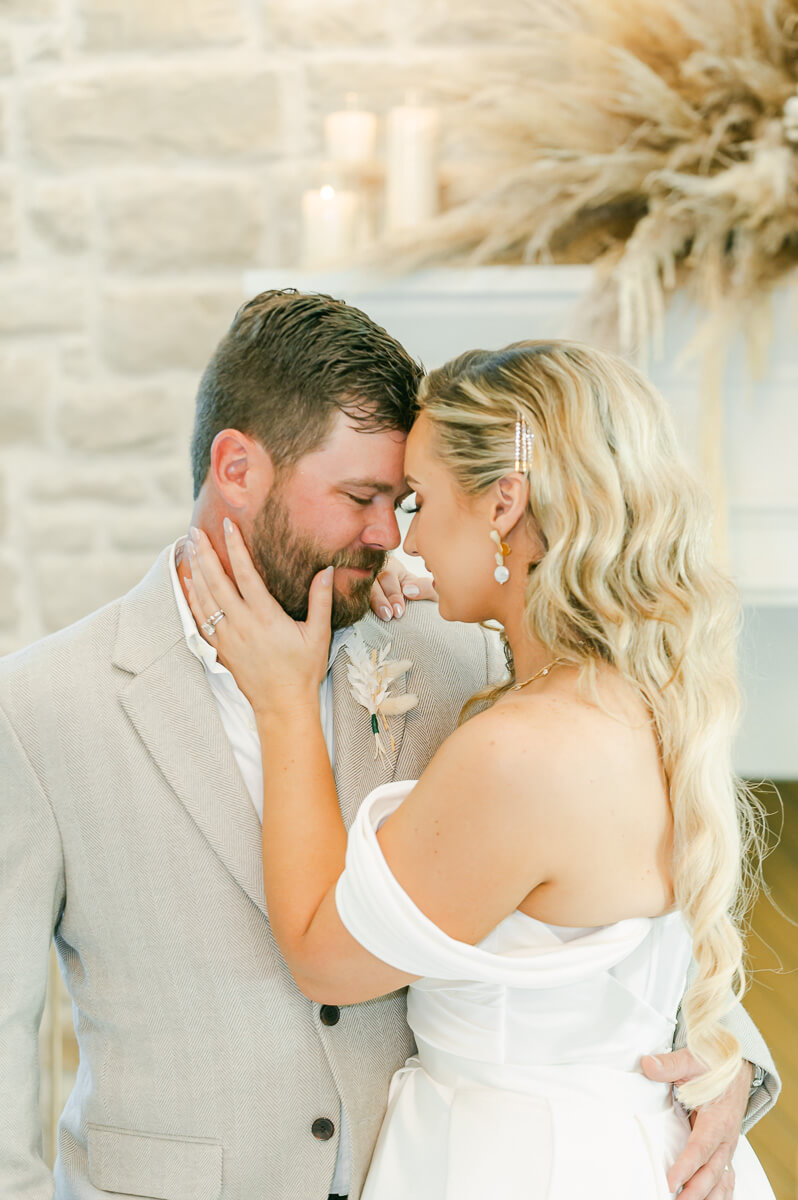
(358, 770)
(169, 702)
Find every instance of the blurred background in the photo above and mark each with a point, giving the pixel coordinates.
(160, 162)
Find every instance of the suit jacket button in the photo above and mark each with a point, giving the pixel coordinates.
(322, 1128)
(330, 1014)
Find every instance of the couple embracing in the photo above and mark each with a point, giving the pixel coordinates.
(322, 936)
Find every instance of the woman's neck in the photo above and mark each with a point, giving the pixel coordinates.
(529, 654)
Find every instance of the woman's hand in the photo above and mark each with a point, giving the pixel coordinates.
(395, 585)
(276, 661)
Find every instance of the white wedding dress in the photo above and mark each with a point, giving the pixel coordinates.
(526, 1083)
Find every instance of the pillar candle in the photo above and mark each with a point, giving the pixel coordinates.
(350, 134)
(412, 167)
(329, 226)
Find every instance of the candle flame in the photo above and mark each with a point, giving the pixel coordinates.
(327, 192)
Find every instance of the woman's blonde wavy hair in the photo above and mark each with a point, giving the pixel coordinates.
(627, 578)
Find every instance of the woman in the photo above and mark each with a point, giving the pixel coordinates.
(542, 887)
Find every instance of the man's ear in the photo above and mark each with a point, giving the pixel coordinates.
(241, 469)
(509, 501)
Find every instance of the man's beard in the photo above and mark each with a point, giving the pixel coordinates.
(287, 561)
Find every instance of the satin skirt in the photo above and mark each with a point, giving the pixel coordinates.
(456, 1129)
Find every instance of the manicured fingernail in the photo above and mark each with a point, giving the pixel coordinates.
(192, 549)
(398, 610)
(386, 613)
(228, 525)
(194, 534)
(327, 576)
(410, 589)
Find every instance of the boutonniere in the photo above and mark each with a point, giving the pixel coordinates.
(371, 674)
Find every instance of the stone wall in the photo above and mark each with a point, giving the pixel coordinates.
(150, 151)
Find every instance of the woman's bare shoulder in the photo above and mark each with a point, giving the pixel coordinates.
(508, 753)
(558, 737)
(561, 741)
(611, 709)
(561, 793)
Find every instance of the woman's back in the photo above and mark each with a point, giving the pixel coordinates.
(598, 772)
(530, 992)
(547, 803)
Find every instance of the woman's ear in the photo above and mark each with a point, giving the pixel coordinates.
(510, 499)
(241, 469)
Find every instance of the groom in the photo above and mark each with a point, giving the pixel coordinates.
(131, 799)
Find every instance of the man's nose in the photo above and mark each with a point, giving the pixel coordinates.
(383, 532)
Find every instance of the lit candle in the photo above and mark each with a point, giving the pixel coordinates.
(350, 134)
(329, 226)
(412, 180)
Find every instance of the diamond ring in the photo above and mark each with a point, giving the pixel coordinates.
(209, 627)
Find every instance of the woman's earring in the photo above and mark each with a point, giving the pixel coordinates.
(501, 574)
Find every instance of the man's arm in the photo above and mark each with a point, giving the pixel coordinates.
(754, 1049)
(704, 1169)
(32, 890)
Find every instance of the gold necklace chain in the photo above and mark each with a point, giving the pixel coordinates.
(538, 674)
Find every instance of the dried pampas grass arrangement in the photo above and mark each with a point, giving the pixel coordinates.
(650, 138)
(656, 139)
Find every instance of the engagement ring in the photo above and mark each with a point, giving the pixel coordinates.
(209, 627)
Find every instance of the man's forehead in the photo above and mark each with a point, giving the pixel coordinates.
(346, 427)
(373, 484)
(357, 448)
(352, 457)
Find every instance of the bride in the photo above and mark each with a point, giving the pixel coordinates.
(544, 885)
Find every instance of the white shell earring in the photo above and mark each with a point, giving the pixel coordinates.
(501, 574)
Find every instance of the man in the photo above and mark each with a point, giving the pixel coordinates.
(131, 794)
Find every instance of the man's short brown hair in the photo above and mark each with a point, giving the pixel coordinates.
(287, 364)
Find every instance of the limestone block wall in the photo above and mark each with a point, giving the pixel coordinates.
(150, 152)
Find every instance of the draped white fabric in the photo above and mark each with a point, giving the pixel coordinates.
(526, 1082)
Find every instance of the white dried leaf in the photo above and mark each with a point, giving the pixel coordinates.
(399, 704)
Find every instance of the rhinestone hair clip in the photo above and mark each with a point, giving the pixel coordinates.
(523, 446)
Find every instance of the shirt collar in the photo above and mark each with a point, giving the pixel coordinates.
(196, 642)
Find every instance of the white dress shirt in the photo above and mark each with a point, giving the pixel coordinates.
(238, 720)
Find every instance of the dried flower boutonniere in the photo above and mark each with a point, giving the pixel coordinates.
(370, 675)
